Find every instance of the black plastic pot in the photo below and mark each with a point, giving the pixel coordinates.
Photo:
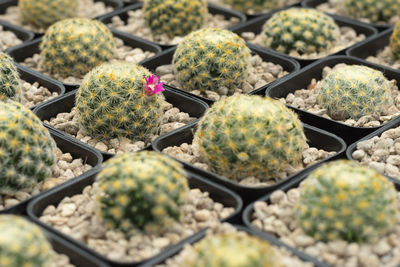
(194, 107)
(23, 51)
(53, 197)
(213, 9)
(256, 25)
(315, 3)
(270, 56)
(22, 34)
(316, 138)
(302, 79)
(77, 150)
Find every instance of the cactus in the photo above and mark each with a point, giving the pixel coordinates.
(395, 42)
(43, 13)
(211, 58)
(27, 150)
(375, 11)
(175, 17)
(354, 91)
(302, 30)
(23, 244)
(141, 191)
(72, 47)
(344, 200)
(120, 99)
(10, 86)
(254, 5)
(244, 136)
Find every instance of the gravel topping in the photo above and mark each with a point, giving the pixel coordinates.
(384, 57)
(8, 39)
(35, 94)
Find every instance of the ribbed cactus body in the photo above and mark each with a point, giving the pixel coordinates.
(302, 30)
(175, 17)
(375, 11)
(43, 13)
(344, 200)
(244, 136)
(112, 102)
(211, 58)
(10, 86)
(141, 191)
(255, 5)
(395, 42)
(27, 150)
(23, 244)
(354, 91)
(72, 47)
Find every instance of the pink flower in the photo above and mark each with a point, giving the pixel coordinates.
(153, 86)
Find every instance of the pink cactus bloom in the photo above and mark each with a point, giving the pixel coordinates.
(153, 86)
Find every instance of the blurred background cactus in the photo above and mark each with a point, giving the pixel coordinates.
(374, 11)
(254, 5)
(10, 86)
(395, 42)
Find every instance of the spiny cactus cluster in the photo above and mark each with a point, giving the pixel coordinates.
(211, 58)
(72, 47)
(302, 30)
(344, 200)
(243, 136)
(395, 42)
(175, 17)
(27, 150)
(141, 191)
(120, 99)
(254, 5)
(354, 91)
(10, 86)
(23, 244)
(375, 11)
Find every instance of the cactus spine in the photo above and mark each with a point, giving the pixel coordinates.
(254, 5)
(375, 11)
(10, 86)
(395, 42)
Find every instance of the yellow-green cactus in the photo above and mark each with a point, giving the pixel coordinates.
(254, 5)
(344, 200)
(395, 42)
(375, 11)
(10, 86)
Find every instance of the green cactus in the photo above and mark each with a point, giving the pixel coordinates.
(244, 136)
(175, 17)
(302, 30)
(27, 150)
(23, 244)
(234, 250)
(344, 200)
(72, 47)
(395, 42)
(10, 86)
(354, 91)
(254, 5)
(116, 99)
(211, 58)
(375, 11)
(141, 191)
(43, 13)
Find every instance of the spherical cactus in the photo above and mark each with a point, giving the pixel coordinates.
(375, 11)
(120, 99)
(141, 191)
(354, 91)
(211, 58)
(10, 86)
(43, 13)
(27, 150)
(175, 17)
(302, 30)
(23, 244)
(344, 200)
(72, 47)
(234, 250)
(395, 42)
(254, 5)
(244, 136)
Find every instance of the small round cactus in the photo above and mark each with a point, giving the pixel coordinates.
(120, 99)
(27, 150)
(43, 13)
(211, 58)
(175, 17)
(395, 42)
(244, 136)
(10, 86)
(141, 191)
(354, 91)
(302, 30)
(72, 47)
(254, 5)
(375, 11)
(23, 244)
(344, 200)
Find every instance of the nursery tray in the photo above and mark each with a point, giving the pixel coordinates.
(77, 150)
(270, 56)
(194, 107)
(256, 25)
(28, 49)
(53, 197)
(213, 9)
(302, 79)
(315, 3)
(21, 33)
(316, 138)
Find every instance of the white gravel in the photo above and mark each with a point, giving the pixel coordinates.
(8, 39)
(35, 94)
(384, 57)
(284, 3)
